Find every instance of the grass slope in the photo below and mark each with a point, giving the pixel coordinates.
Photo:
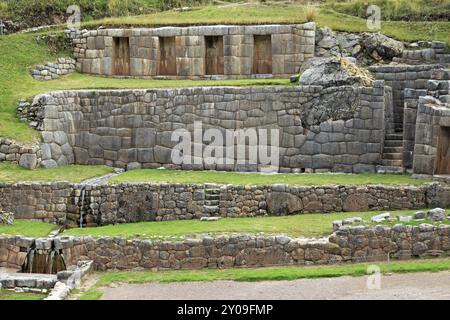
(263, 274)
(74, 173)
(184, 176)
(304, 225)
(253, 13)
(11, 295)
(28, 228)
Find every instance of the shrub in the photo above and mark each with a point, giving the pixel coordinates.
(310, 13)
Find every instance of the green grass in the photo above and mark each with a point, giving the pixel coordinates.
(28, 228)
(185, 176)
(10, 173)
(11, 295)
(253, 13)
(263, 274)
(304, 225)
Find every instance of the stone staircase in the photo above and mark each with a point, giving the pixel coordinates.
(393, 152)
(212, 198)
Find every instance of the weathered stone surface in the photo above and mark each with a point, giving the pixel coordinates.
(6, 218)
(347, 244)
(28, 161)
(136, 126)
(436, 214)
(379, 45)
(356, 202)
(326, 72)
(282, 203)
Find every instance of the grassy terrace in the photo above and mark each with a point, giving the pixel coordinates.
(262, 274)
(28, 228)
(20, 52)
(305, 225)
(182, 176)
(254, 13)
(11, 295)
(10, 173)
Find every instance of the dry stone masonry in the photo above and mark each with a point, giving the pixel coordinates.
(334, 128)
(53, 70)
(195, 52)
(25, 155)
(347, 244)
(76, 205)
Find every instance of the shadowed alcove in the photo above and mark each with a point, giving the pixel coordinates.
(121, 56)
(214, 55)
(443, 152)
(167, 56)
(262, 54)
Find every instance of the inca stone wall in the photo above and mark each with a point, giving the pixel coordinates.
(435, 88)
(435, 54)
(399, 77)
(432, 115)
(336, 128)
(53, 70)
(62, 202)
(291, 45)
(26, 155)
(348, 244)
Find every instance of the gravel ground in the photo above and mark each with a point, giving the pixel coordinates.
(397, 286)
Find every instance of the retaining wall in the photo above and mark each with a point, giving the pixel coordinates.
(290, 45)
(432, 117)
(402, 76)
(337, 128)
(348, 244)
(62, 202)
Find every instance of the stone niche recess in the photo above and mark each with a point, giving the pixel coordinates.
(336, 128)
(196, 52)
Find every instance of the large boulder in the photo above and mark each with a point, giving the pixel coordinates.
(283, 203)
(333, 71)
(436, 214)
(381, 47)
(6, 218)
(28, 160)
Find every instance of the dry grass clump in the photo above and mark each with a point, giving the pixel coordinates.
(310, 13)
(362, 74)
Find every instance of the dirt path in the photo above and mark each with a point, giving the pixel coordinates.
(398, 286)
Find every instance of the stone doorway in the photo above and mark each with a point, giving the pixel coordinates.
(121, 56)
(214, 55)
(443, 152)
(262, 54)
(167, 57)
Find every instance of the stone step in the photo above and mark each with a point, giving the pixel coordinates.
(212, 197)
(212, 191)
(210, 209)
(393, 150)
(392, 163)
(210, 203)
(393, 143)
(393, 156)
(388, 169)
(394, 136)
